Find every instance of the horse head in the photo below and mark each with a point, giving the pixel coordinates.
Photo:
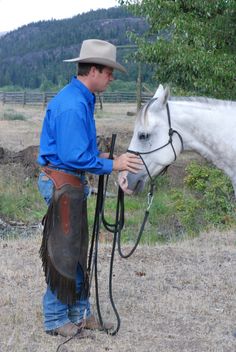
(153, 140)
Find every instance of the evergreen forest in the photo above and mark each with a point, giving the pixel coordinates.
(31, 57)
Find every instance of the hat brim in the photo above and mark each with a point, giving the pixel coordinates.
(100, 61)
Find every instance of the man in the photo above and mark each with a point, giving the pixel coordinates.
(68, 149)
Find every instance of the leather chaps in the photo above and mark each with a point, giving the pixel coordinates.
(65, 237)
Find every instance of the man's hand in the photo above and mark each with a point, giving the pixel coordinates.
(128, 162)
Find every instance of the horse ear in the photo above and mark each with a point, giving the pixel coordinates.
(163, 98)
(159, 91)
(167, 94)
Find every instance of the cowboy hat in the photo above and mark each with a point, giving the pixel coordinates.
(97, 51)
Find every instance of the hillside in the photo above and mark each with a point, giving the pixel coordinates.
(33, 54)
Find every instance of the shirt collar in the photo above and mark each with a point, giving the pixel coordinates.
(86, 92)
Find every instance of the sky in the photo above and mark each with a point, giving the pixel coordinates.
(16, 13)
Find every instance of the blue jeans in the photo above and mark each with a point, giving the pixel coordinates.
(55, 312)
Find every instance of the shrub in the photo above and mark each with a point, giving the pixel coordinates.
(214, 191)
(13, 116)
(187, 209)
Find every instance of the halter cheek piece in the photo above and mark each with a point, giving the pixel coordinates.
(170, 141)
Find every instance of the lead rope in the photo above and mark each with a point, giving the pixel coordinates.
(62, 345)
(93, 256)
(116, 229)
(152, 183)
(146, 215)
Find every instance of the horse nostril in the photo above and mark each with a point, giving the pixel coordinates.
(122, 179)
(143, 136)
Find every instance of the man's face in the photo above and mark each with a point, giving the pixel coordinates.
(103, 79)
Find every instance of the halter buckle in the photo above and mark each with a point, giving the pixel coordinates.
(150, 200)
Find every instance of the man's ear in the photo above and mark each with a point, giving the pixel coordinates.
(93, 71)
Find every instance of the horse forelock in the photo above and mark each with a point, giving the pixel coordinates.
(142, 116)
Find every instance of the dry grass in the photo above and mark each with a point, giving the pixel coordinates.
(171, 298)
(16, 135)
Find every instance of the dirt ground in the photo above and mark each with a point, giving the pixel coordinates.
(171, 298)
(179, 297)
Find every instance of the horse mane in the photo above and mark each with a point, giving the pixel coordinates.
(142, 115)
(203, 100)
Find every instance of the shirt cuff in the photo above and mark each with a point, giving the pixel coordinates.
(107, 165)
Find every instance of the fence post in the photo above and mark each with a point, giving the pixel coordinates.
(24, 98)
(100, 98)
(44, 99)
(139, 88)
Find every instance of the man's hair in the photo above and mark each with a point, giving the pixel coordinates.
(84, 68)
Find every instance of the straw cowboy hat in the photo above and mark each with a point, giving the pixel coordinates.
(97, 51)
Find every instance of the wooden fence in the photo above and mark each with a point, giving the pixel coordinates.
(37, 98)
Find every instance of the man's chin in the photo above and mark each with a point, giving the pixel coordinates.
(100, 90)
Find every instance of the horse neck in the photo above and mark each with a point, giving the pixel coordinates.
(200, 127)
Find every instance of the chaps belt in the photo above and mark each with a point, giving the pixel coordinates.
(61, 178)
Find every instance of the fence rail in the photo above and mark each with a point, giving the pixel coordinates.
(38, 98)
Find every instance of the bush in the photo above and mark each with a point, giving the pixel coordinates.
(205, 201)
(13, 116)
(214, 191)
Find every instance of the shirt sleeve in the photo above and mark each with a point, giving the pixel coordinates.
(76, 142)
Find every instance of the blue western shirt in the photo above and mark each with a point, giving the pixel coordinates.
(68, 138)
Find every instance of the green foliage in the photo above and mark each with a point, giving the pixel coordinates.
(20, 200)
(124, 86)
(216, 192)
(188, 211)
(191, 42)
(12, 116)
(11, 88)
(206, 200)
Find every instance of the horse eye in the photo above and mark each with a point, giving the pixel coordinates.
(142, 136)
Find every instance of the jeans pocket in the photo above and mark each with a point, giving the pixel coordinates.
(45, 186)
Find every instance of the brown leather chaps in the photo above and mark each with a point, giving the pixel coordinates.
(65, 237)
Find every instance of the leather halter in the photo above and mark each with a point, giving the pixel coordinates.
(170, 142)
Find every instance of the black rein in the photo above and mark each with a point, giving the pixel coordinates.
(117, 227)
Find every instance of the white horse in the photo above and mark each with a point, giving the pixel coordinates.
(164, 128)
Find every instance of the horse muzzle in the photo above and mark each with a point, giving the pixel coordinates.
(131, 183)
